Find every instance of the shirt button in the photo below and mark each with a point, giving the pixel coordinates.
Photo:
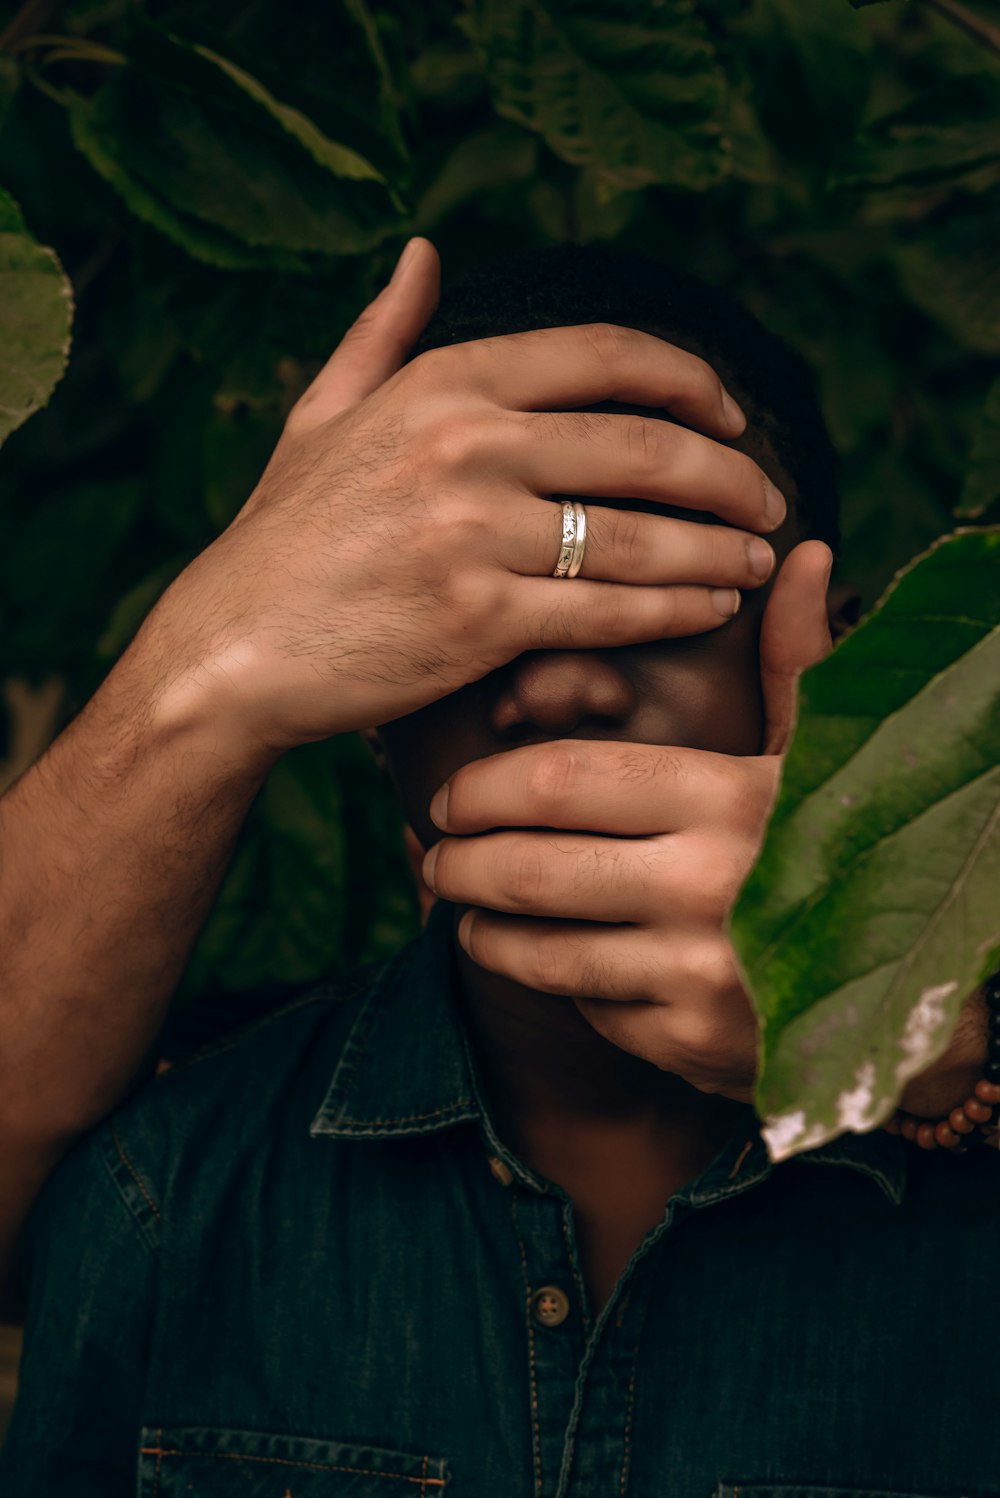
(500, 1171)
(550, 1305)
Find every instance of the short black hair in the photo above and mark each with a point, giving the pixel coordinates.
(565, 284)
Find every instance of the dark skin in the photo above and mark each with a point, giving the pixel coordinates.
(617, 1132)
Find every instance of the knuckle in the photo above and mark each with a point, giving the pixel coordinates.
(524, 876)
(429, 371)
(469, 599)
(594, 979)
(713, 877)
(451, 444)
(610, 342)
(554, 776)
(697, 1037)
(710, 967)
(625, 536)
(306, 411)
(549, 966)
(643, 446)
(737, 797)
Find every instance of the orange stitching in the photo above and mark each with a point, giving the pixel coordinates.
(743, 1154)
(628, 1424)
(535, 1421)
(282, 1461)
(627, 1437)
(379, 1123)
(135, 1176)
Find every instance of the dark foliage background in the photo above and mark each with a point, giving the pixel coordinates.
(227, 184)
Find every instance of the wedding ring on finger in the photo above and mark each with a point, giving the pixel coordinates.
(574, 539)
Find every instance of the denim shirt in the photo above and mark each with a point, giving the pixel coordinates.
(305, 1265)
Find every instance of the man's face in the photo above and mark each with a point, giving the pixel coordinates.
(698, 692)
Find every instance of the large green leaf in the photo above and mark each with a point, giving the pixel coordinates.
(206, 154)
(982, 478)
(631, 91)
(874, 908)
(36, 312)
(943, 133)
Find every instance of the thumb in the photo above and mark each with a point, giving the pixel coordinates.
(794, 634)
(376, 344)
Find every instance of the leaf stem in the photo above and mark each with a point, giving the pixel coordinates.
(70, 49)
(959, 15)
(36, 15)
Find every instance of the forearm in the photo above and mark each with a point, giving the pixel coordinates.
(111, 850)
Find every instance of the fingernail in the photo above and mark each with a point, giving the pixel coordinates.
(761, 557)
(430, 863)
(405, 257)
(726, 601)
(734, 414)
(464, 928)
(439, 805)
(775, 507)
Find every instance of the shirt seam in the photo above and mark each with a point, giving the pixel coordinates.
(135, 1194)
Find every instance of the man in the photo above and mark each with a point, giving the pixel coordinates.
(498, 1215)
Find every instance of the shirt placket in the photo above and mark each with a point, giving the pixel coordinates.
(581, 1377)
(555, 1319)
(597, 1444)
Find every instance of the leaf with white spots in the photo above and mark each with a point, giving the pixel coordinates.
(874, 908)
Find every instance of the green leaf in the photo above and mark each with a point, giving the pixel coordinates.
(496, 157)
(809, 66)
(944, 132)
(319, 879)
(872, 912)
(951, 269)
(633, 92)
(204, 153)
(390, 91)
(36, 312)
(982, 478)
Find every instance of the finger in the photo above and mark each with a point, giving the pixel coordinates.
(599, 786)
(628, 546)
(559, 614)
(636, 457)
(569, 876)
(794, 634)
(617, 963)
(582, 366)
(377, 343)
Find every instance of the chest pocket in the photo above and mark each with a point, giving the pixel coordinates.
(192, 1462)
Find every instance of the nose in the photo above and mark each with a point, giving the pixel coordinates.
(556, 692)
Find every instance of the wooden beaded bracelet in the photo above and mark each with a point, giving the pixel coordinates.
(975, 1122)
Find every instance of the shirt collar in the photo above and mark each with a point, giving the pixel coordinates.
(405, 1069)
(408, 1069)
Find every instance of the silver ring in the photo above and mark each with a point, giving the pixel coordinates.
(574, 539)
